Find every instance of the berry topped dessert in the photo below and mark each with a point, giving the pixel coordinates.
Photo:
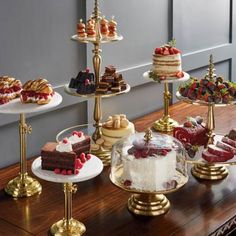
(81, 29)
(212, 91)
(37, 91)
(224, 150)
(84, 82)
(166, 63)
(10, 88)
(192, 132)
(150, 163)
(67, 157)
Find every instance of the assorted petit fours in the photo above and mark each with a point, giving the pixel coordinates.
(115, 128)
(166, 63)
(68, 156)
(223, 150)
(37, 91)
(107, 29)
(111, 81)
(84, 83)
(10, 88)
(213, 91)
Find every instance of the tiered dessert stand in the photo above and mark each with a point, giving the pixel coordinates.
(202, 169)
(69, 226)
(166, 124)
(24, 185)
(102, 153)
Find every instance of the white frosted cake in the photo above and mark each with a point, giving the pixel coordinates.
(150, 166)
(115, 128)
(167, 62)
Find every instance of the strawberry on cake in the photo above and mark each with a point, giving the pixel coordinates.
(10, 88)
(37, 91)
(166, 62)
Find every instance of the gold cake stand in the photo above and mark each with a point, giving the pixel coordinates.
(97, 61)
(24, 185)
(166, 123)
(68, 226)
(203, 169)
(148, 203)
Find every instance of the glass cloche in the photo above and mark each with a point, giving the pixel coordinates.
(149, 163)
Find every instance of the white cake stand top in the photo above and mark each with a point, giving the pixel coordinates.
(91, 169)
(168, 79)
(17, 107)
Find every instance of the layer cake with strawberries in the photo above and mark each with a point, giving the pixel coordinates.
(68, 156)
(166, 62)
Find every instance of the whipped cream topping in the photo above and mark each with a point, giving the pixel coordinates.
(76, 137)
(64, 146)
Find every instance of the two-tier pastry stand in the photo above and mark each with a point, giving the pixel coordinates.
(69, 226)
(24, 185)
(102, 153)
(166, 124)
(202, 169)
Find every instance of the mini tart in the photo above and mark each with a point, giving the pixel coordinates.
(37, 91)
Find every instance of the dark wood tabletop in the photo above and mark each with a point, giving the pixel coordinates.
(199, 208)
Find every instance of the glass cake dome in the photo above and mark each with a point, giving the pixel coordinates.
(149, 163)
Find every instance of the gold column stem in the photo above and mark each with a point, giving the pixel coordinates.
(23, 132)
(210, 124)
(167, 97)
(68, 187)
(97, 115)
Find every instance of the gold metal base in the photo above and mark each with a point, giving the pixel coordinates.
(148, 204)
(23, 186)
(165, 124)
(103, 155)
(75, 228)
(209, 172)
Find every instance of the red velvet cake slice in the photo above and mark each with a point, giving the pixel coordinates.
(220, 152)
(226, 147)
(229, 141)
(212, 158)
(191, 132)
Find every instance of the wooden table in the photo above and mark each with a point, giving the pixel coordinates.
(199, 208)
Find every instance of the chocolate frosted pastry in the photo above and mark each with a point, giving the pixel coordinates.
(37, 91)
(10, 88)
(111, 81)
(84, 82)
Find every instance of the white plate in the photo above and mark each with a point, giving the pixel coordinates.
(91, 169)
(15, 106)
(168, 79)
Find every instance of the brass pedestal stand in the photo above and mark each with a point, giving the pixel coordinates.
(204, 170)
(165, 124)
(68, 226)
(23, 185)
(148, 204)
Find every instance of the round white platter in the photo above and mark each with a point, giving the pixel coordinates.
(91, 169)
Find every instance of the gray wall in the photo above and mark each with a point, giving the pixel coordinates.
(35, 40)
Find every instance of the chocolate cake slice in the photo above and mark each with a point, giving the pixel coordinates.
(53, 159)
(83, 146)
